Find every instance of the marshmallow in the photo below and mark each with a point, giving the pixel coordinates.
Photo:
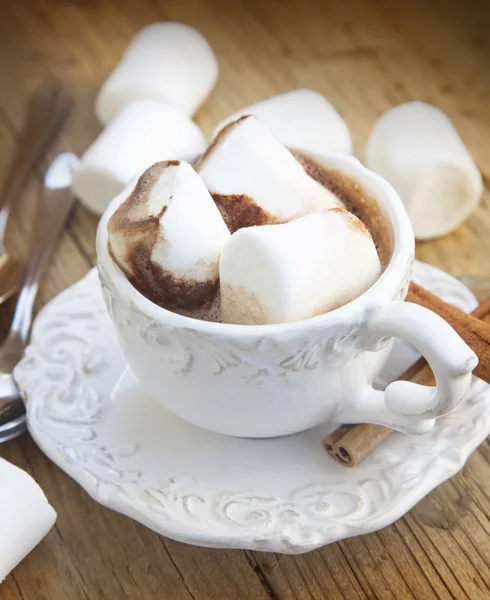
(283, 273)
(25, 516)
(142, 134)
(302, 120)
(167, 235)
(418, 150)
(255, 180)
(171, 62)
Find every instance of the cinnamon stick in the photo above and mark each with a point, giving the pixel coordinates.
(350, 444)
(474, 330)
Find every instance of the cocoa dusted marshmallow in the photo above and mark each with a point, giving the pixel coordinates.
(418, 150)
(283, 273)
(255, 180)
(170, 62)
(143, 133)
(302, 120)
(167, 235)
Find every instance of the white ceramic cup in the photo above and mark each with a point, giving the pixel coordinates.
(272, 380)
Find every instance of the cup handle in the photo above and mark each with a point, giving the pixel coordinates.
(405, 406)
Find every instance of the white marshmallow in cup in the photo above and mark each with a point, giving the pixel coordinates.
(302, 120)
(170, 62)
(284, 273)
(417, 149)
(145, 132)
(256, 180)
(166, 234)
(25, 516)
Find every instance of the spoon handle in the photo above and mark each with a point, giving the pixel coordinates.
(47, 112)
(53, 209)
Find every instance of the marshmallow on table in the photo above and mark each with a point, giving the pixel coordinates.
(418, 150)
(143, 133)
(167, 235)
(171, 62)
(255, 180)
(284, 273)
(25, 516)
(302, 120)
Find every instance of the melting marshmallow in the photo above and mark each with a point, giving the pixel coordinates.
(142, 134)
(25, 516)
(167, 235)
(302, 120)
(255, 180)
(418, 150)
(170, 62)
(283, 273)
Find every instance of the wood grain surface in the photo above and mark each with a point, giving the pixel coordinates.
(365, 57)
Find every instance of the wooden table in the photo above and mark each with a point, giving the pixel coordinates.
(364, 57)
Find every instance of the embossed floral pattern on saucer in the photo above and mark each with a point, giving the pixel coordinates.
(91, 417)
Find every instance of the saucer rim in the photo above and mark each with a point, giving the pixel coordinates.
(271, 541)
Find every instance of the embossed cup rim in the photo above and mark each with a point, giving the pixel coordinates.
(403, 253)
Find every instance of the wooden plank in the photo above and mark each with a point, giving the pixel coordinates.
(48, 571)
(441, 516)
(433, 574)
(10, 590)
(215, 574)
(365, 57)
(322, 574)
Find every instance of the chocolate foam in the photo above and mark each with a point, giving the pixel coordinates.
(237, 210)
(356, 200)
(354, 223)
(140, 232)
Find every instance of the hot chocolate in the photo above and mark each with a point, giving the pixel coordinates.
(306, 239)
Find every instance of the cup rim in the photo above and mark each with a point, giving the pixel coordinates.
(403, 253)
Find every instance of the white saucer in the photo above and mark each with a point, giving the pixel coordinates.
(282, 495)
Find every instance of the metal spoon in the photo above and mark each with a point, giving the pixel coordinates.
(53, 210)
(47, 112)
